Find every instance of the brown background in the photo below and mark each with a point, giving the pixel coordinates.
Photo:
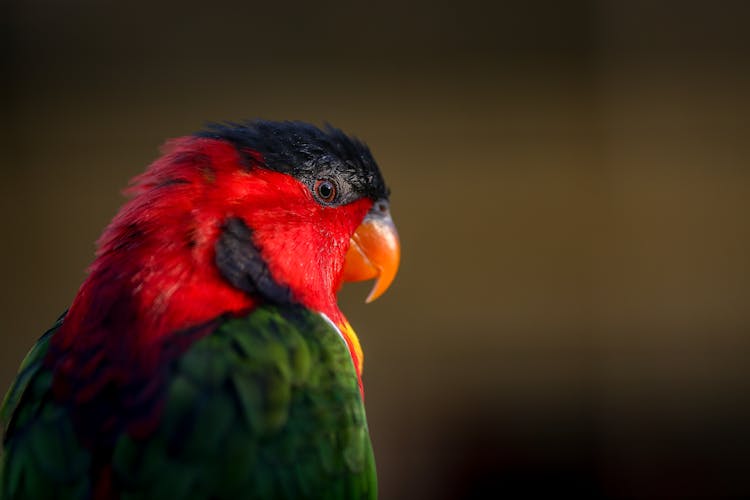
(571, 184)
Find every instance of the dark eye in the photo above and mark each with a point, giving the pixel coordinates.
(325, 190)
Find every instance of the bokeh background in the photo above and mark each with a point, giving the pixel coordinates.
(570, 180)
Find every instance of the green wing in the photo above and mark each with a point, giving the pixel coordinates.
(267, 406)
(41, 457)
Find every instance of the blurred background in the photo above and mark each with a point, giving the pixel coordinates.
(571, 184)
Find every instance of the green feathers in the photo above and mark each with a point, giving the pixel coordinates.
(267, 406)
(45, 460)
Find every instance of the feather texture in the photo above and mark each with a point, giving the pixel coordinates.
(265, 406)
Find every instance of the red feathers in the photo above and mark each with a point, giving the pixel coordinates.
(155, 274)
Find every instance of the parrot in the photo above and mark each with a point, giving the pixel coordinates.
(205, 356)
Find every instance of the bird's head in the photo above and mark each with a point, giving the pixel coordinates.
(242, 214)
(315, 203)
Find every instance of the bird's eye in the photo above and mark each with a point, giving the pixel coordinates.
(325, 190)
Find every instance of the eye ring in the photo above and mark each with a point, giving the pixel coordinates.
(325, 190)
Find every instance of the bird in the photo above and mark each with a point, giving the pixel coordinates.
(205, 355)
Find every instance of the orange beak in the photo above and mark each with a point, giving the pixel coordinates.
(374, 251)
